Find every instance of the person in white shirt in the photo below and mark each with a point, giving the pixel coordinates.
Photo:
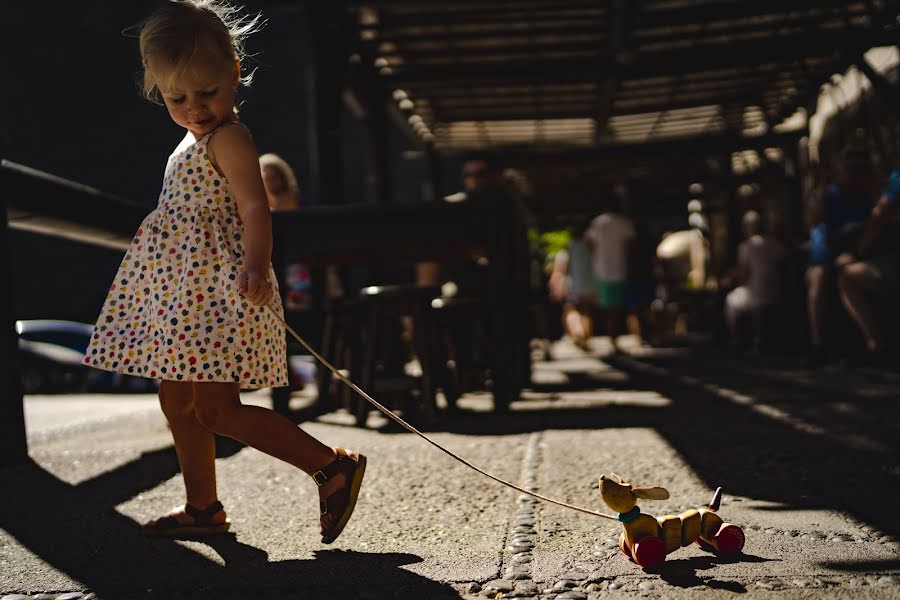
(759, 264)
(609, 238)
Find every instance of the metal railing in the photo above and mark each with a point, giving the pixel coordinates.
(43, 203)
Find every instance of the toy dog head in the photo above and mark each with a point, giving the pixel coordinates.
(620, 496)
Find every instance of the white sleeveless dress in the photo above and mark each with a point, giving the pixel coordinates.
(174, 311)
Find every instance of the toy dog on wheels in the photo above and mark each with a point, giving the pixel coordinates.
(647, 540)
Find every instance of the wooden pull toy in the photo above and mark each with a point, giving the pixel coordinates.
(646, 539)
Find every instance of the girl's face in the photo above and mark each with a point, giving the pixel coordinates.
(202, 98)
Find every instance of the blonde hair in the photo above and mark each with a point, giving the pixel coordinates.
(271, 159)
(182, 29)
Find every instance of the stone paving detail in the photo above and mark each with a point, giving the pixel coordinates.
(435, 530)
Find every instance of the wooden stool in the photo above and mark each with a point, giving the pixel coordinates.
(340, 347)
(465, 352)
(380, 364)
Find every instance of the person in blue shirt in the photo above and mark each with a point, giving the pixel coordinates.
(872, 269)
(837, 214)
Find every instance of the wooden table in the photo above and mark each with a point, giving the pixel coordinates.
(47, 204)
(439, 231)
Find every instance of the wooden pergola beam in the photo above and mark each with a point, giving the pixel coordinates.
(668, 63)
(725, 10)
(488, 14)
(428, 56)
(712, 144)
(442, 35)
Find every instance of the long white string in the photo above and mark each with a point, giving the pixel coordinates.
(387, 412)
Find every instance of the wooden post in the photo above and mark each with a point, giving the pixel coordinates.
(375, 101)
(434, 170)
(327, 34)
(13, 446)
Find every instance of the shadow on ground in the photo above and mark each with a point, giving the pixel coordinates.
(77, 531)
(682, 572)
(814, 445)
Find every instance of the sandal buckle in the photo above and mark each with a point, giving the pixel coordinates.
(320, 478)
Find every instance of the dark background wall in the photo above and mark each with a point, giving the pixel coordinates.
(71, 106)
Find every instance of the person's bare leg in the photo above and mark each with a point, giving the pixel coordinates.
(573, 324)
(218, 408)
(614, 317)
(195, 447)
(855, 283)
(815, 277)
(587, 323)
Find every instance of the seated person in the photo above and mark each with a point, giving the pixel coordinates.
(759, 259)
(872, 268)
(836, 215)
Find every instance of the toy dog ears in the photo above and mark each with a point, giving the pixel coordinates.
(647, 493)
(618, 479)
(651, 493)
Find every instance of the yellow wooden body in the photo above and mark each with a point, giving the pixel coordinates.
(710, 523)
(681, 530)
(640, 528)
(670, 532)
(690, 526)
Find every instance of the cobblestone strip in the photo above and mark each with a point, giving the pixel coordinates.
(516, 581)
(52, 596)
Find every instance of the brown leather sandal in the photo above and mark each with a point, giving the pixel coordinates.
(202, 525)
(342, 501)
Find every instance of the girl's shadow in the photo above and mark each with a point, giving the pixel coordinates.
(76, 530)
(332, 573)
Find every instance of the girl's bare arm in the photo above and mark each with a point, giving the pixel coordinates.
(233, 152)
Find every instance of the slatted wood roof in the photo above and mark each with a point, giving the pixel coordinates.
(595, 73)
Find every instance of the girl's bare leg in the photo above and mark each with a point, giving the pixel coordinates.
(194, 445)
(218, 408)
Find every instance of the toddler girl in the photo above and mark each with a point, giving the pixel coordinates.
(187, 305)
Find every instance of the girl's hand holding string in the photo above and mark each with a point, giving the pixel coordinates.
(254, 286)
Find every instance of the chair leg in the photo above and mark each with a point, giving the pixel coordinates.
(448, 368)
(323, 375)
(367, 364)
(425, 352)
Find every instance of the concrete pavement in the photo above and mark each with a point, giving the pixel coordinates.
(816, 508)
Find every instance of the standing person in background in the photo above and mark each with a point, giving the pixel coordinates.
(572, 284)
(641, 282)
(608, 239)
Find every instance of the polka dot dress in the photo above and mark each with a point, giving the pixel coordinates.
(174, 311)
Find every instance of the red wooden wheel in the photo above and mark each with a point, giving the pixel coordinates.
(730, 539)
(649, 552)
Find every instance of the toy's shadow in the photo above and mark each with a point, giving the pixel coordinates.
(682, 572)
